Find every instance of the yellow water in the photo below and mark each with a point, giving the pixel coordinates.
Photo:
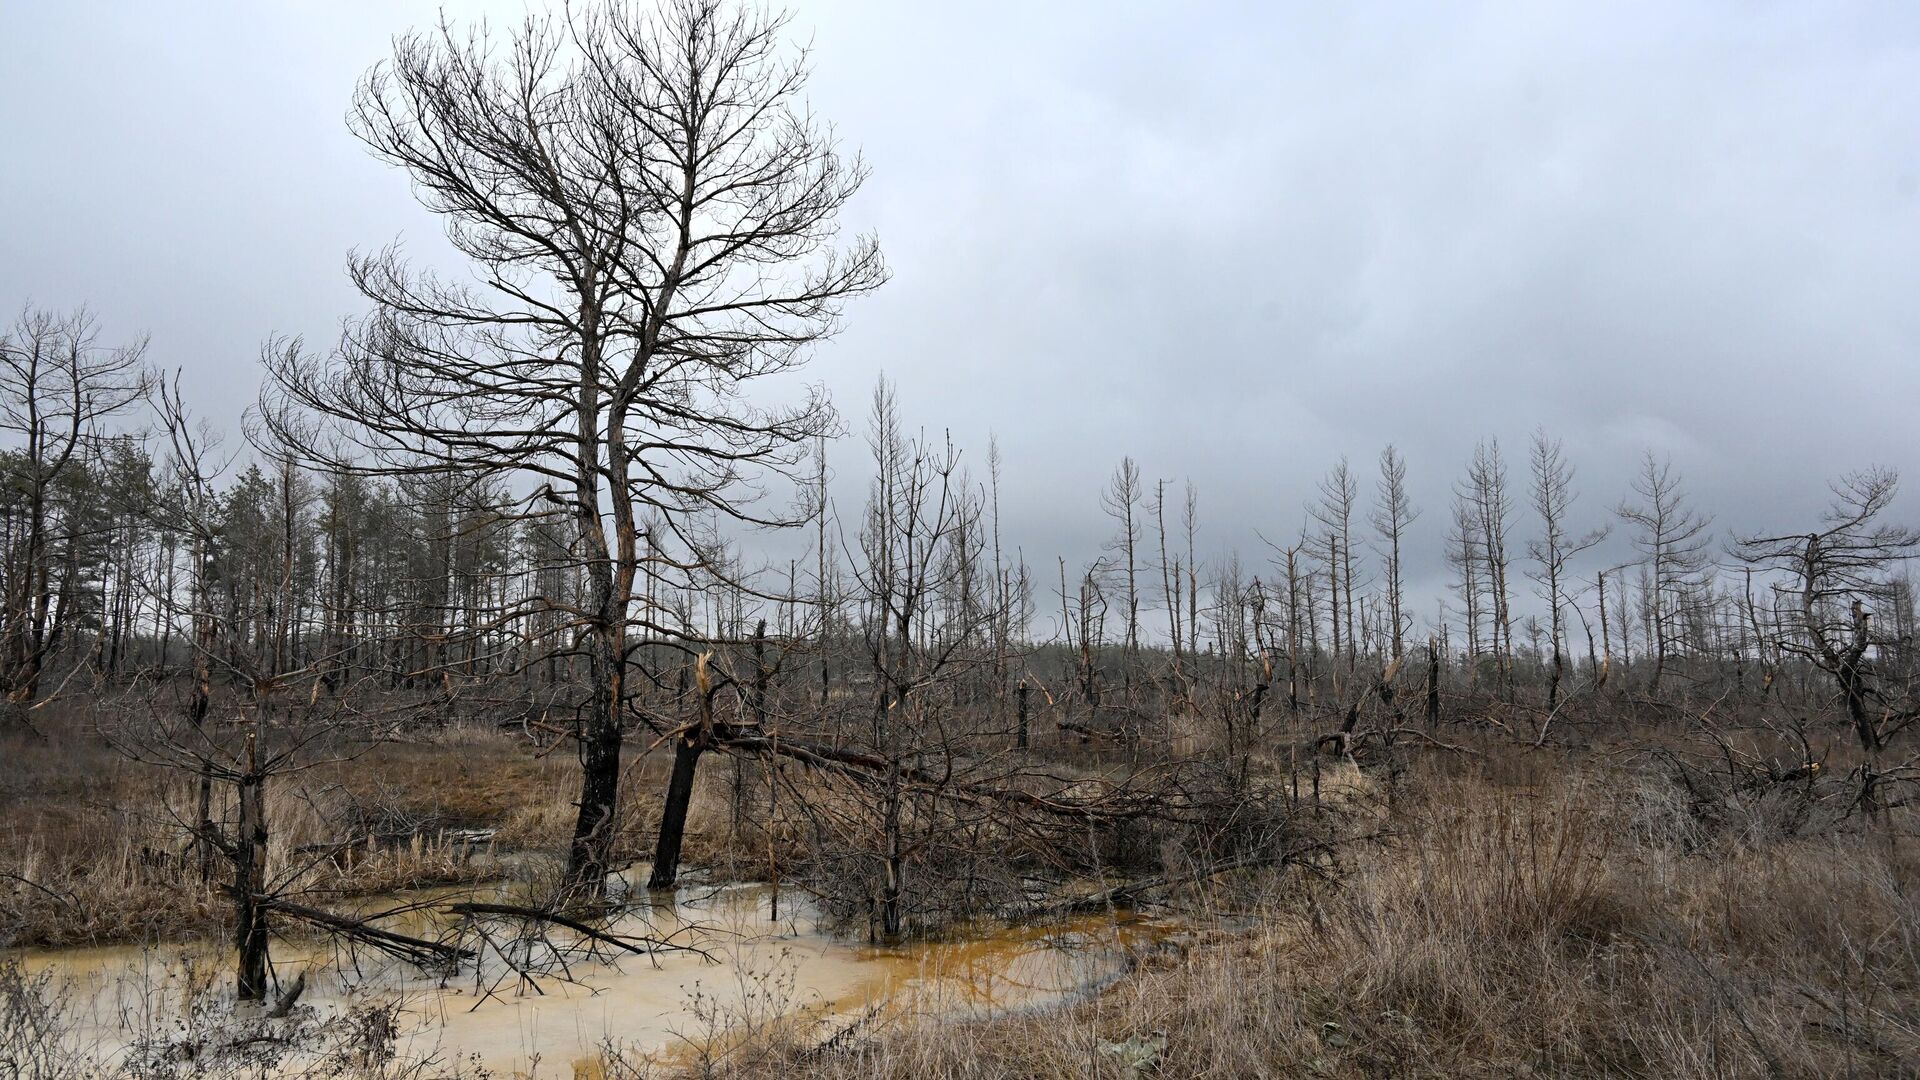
(755, 970)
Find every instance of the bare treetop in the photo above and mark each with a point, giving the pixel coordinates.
(649, 212)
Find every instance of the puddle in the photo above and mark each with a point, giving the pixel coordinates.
(754, 970)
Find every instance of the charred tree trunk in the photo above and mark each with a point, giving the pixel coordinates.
(673, 817)
(1433, 686)
(1022, 693)
(1558, 671)
(688, 745)
(593, 831)
(249, 881)
(1848, 671)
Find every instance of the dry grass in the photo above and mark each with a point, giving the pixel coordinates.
(1521, 913)
(95, 852)
(1530, 918)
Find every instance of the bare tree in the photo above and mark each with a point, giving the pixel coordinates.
(1171, 582)
(1121, 501)
(1488, 507)
(1556, 546)
(1190, 525)
(651, 214)
(1464, 547)
(265, 739)
(192, 512)
(1393, 512)
(922, 528)
(1339, 495)
(58, 386)
(1672, 540)
(1833, 572)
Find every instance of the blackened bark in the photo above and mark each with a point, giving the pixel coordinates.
(1021, 693)
(1433, 687)
(673, 818)
(249, 882)
(593, 831)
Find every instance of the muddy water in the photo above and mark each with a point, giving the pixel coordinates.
(754, 969)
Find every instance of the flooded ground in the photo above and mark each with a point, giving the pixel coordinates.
(750, 970)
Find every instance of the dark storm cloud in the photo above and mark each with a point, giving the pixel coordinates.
(1236, 242)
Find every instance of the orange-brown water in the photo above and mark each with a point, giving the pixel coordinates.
(756, 972)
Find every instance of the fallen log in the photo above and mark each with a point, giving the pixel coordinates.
(1129, 893)
(1106, 801)
(418, 951)
(1088, 734)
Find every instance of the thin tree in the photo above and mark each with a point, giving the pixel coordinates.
(1170, 582)
(1339, 496)
(1553, 498)
(1672, 540)
(1464, 547)
(1190, 525)
(1393, 512)
(1485, 493)
(1121, 502)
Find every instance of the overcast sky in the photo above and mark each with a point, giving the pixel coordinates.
(1233, 241)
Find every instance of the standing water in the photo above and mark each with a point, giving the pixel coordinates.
(748, 969)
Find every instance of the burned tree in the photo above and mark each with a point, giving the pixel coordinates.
(1393, 512)
(1171, 584)
(1121, 503)
(1339, 496)
(58, 388)
(650, 212)
(1833, 573)
(1483, 508)
(1672, 540)
(1556, 546)
(1463, 556)
(922, 530)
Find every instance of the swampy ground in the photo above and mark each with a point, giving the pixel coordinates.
(1491, 908)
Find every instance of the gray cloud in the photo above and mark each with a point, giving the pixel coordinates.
(1234, 241)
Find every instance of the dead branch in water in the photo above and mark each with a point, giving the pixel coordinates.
(644, 946)
(417, 951)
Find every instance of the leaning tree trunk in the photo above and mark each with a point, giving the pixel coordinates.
(1853, 689)
(688, 745)
(673, 818)
(1849, 671)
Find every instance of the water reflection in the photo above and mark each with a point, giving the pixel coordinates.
(752, 969)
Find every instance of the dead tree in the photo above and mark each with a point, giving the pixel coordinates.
(650, 212)
(1121, 503)
(1832, 573)
(1464, 548)
(1393, 512)
(59, 388)
(191, 511)
(1339, 496)
(1556, 546)
(1672, 540)
(1171, 585)
(1487, 510)
(922, 528)
(1190, 525)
